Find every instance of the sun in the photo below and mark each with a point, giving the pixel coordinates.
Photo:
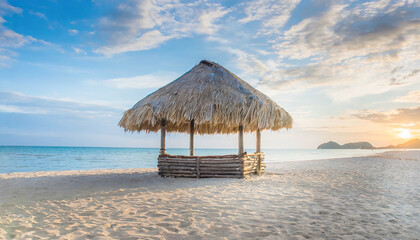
(404, 133)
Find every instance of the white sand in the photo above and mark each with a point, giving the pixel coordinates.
(374, 197)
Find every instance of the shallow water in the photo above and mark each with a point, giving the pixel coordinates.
(30, 159)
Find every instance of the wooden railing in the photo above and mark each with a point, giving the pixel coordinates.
(254, 163)
(220, 166)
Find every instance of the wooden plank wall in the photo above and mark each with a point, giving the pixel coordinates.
(251, 164)
(223, 166)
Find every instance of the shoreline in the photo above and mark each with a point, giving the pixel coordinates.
(387, 154)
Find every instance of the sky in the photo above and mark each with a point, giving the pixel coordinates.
(346, 71)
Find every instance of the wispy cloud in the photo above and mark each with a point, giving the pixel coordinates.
(144, 24)
(411, 97)
(38, 14)
(79, 51)
(21, 109)
(14, 102)
(272, 14)
(6, 8)
(10, 39)
(73, 32)
(403, 116)
(138, 82)
(148, 40)
(248, 63)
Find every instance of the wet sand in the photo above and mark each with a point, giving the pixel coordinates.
(375, 197)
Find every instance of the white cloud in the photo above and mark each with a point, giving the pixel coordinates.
(272, 14)
(79, 51)
(10, 39)
(73, 32)
(6, 8)
(142, 81)
(401, 116)
(146, 41)
(19, 109)
(13, 102)
(251, 67)
(411, 97)
(38, 14)
(217, 39)
(145, 24)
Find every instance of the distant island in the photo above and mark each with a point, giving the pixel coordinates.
(355, 145)
(413, 143)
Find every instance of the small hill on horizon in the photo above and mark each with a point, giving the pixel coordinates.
(410, 144)
(355, 145)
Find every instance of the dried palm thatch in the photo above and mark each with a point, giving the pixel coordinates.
(217, 100)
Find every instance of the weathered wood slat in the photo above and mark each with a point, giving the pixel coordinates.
(176, 164)
(179, 175)
(221, 162)
(177, 168)
(220, 165)
(178, 171)
(219, 159)
(221, 172)
(177, 160)
(228, 166)
(174, 169)
(220, 169)
(221, 176)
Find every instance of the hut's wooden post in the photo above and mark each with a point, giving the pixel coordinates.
(241, 140)
(192, 138)
(163, 137)
(258, 141)
(258, 152)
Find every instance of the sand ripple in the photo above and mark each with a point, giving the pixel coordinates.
(357, 198)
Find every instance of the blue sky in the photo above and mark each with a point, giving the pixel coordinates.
(345, 70)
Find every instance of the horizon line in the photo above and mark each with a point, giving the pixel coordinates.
(149, 147)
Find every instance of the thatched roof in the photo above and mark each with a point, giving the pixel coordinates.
(217, 100)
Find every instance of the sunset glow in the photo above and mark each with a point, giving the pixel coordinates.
(404, 133)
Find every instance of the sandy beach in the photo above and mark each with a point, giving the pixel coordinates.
(375, 197)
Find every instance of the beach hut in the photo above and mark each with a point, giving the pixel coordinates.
(208, 99)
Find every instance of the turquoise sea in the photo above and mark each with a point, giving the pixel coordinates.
(32, 159)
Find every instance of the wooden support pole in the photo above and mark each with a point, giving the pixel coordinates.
(241, 140)
(258, 165)
(258, 141)
(192, 138)
(163, 137)
(258, 151)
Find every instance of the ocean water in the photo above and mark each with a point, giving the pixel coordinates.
(32, 159)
